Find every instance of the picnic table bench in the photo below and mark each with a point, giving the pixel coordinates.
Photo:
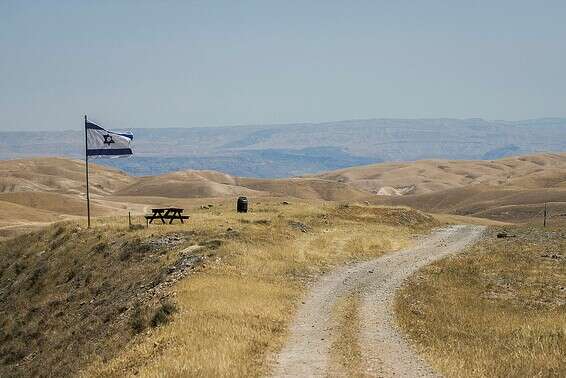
(170, 213)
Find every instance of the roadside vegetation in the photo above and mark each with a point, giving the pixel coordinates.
(232, 314)
(68, 293)
(499, 309)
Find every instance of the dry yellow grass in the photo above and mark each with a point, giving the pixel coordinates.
(234, 313)
(66, 287)
(498, 310)
(346, 352)
(460, 219)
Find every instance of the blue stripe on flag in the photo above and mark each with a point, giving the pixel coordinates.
(115, 151)
(130, 136)
(90, 125)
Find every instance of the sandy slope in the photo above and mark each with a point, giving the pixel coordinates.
(58, 175)
(427, 176)
(36, 191)
(385, 352)
(508, 204)
(510, 190)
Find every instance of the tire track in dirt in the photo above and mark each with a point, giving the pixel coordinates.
(385, 351)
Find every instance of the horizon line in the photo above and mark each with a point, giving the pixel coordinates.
(282, 124)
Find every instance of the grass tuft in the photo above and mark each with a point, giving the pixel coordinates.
(138, 319)
(163, 313)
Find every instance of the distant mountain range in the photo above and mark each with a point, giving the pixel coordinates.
(297, 149)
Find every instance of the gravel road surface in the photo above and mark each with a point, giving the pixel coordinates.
(385, 351)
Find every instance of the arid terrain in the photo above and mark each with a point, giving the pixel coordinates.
(511, 189)
(227, 293)
(38, 191)
(282, 189)
(35, 192)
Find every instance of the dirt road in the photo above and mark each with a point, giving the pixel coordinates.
(384, 351)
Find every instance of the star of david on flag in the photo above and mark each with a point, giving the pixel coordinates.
(101, 142)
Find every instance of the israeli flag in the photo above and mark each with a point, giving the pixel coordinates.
(102, 142)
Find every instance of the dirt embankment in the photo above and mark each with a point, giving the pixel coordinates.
(68, 294)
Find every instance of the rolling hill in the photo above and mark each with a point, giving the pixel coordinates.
(511, 189)
(58, 175)
(38, 191)
(426, 176)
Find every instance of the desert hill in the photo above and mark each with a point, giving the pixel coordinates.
(58, 175)
(209, 184)
(484, 201)
(39, 191)
(511, 189)
(307, 188)
(67, 177)
(186, 184)
(427, 176)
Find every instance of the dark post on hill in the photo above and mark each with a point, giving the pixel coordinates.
(86, 168)
(545, 214)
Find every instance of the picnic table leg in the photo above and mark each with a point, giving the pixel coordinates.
(163, 215)
(153, 216)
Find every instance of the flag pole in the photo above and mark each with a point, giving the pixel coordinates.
(86, 166)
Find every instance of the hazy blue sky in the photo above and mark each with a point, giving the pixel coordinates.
(209, 63)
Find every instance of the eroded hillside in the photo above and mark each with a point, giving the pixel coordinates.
(68, 293)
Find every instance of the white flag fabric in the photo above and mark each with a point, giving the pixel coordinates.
(102, 142)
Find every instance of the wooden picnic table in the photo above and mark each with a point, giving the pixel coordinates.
(163, 213)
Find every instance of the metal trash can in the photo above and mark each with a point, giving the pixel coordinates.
(242, 205)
